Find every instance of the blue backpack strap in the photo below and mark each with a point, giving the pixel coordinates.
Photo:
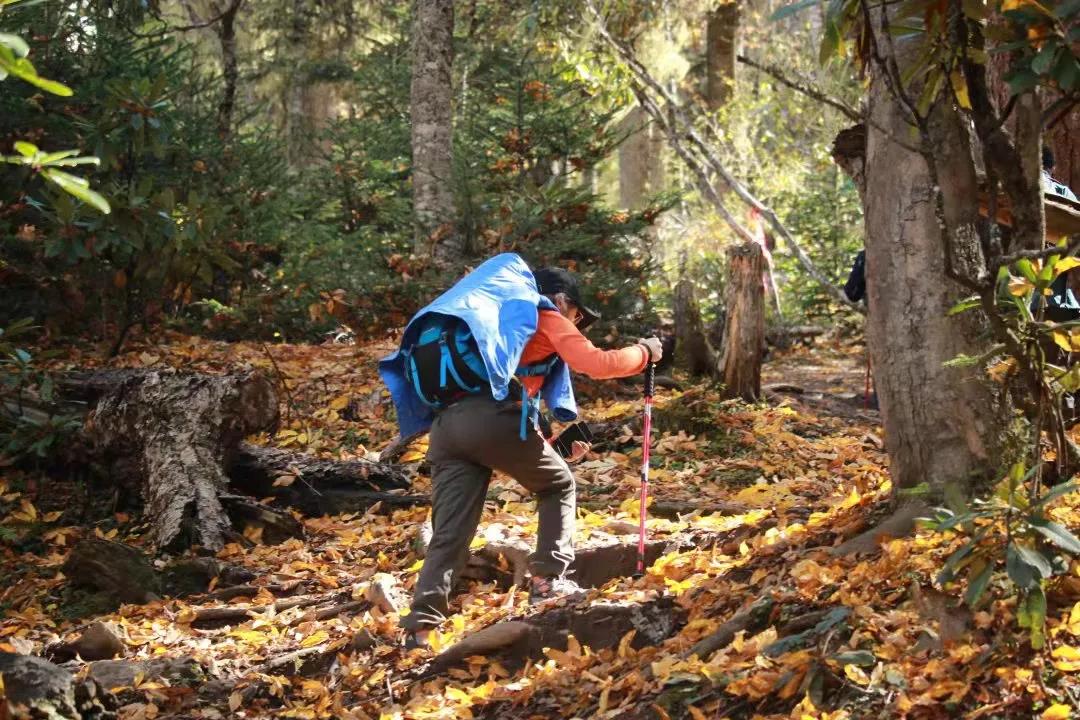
(530, 407)
(448, 364)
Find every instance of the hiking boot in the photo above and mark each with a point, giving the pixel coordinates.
(417, 639)
(542, 589)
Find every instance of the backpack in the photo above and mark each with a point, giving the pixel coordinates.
(855, 288)
(444, 363)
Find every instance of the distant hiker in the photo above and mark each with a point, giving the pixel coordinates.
(1061, 304)
(471, 367)
(1049, 184)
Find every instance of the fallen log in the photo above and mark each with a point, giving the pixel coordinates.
(180, 429)
(316, 486)
(177, 437)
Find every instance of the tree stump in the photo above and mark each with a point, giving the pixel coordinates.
(182, 429)
(695, 352)
(744, 332)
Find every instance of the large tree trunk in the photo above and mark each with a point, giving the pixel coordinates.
(181, 431)
(941, 424)
(431, 113)
(744, 331)
(694, 351)
(721, 35)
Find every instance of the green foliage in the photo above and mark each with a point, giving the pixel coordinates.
(14, 62)
(1011, 530)
(27, 427)
(194, 215)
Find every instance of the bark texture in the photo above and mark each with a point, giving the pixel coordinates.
(226, 33)
(317, 486)
(941, 424)
(431, 113)
(721, 36)
(694, 351)
(181, 430)
(744, 331)
(641, 164)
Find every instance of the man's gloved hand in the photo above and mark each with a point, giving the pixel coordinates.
(655, 348)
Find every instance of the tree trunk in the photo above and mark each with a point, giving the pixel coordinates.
(641, 164)
(181, 431)
(721, 36)
(1064, 140)
(226, 33)
(431, 113)
(744, 331)
(941, 424)
(694, 351)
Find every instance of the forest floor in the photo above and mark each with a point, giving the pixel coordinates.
(753, 498)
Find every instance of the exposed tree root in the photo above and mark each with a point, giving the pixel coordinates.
(900, 523)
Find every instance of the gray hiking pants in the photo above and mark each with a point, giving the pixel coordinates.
(468, 440)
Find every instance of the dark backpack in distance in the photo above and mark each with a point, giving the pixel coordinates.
(855, 287)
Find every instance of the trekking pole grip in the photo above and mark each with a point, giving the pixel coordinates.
(650, 378)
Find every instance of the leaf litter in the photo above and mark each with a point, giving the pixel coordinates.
(841, 637)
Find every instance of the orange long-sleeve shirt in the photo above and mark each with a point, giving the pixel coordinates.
(556, 334)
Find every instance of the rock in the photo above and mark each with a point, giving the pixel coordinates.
(98, 641)
(36, 688)
(189, 576)
(385, 593)
(118, 676)
(119, 571)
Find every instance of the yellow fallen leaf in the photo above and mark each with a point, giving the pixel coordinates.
(314, 639)
(1057, 711)
(251, 637)
(52, 516)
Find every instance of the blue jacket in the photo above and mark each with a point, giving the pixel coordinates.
(500, 303)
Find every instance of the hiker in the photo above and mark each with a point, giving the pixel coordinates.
(1049, 184)
(1061, 304)
(472, 367)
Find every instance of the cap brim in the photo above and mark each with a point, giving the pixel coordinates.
(589, 316)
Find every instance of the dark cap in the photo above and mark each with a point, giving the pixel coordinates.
(553, 280)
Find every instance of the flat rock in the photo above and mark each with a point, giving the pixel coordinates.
(112, 675)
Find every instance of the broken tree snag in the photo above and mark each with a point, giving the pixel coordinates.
(181, 430)
(694, 351)
(744, 332)
(317, 486)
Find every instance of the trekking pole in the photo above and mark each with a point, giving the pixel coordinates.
(646, 433)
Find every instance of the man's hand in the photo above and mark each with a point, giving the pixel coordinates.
(654, 347)
(578, 450)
